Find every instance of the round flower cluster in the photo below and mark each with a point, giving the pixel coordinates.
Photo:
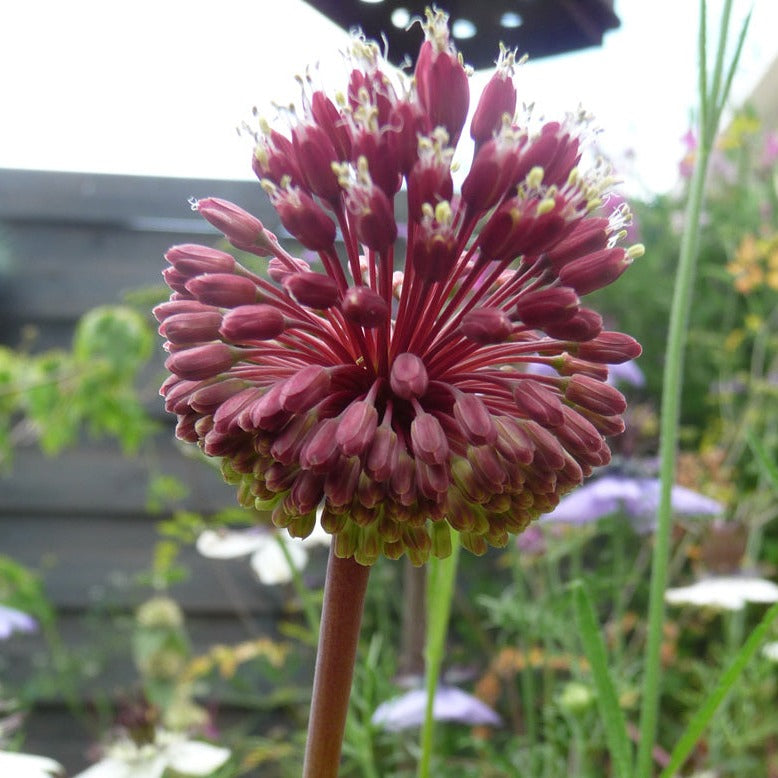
(452, 379)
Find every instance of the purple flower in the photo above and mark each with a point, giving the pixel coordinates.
(451, 704)
(12, 620)
(638, 498)
(389, 388)
(626, 373)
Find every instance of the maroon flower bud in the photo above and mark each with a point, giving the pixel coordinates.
(226, 416)
(201, 362)
(321, 451)
(365, 307)
(177, 281)
(537, 401)
(223, 289)
(486, 325)
(428, 439)
(374, 219)
(239, 226)
(594, 271)
(577, 434)
(493, 172)
(433, 255)
(304, 219)
(430, 180)
(475, 419)
(286, 447)
(403, 478)
(408, 122)
(192, 259)
(587, 237)
(497, 99)
(341, 482)
(512, 442)
(595, 396)
(178, 394)
(266, 412)
(612, 348)
(329, 118)
(278, 269)
(585, 325)
(314, 290)
(175, 307)
(305, 389)
(252, 322)
(432, 480)
(408, 377)
(208, 398)
(383, 455)
(375, 146)
(441, 79)
(275, 160)
(357, 428)
(487, 465)
(547, 306)
(187, 328)
(569, 365)
(307, 491)
(554, 151)
(315, 155)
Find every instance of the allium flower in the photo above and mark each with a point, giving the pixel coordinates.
(451, 704)
(268, 560)
(390, 387)
(13, 620)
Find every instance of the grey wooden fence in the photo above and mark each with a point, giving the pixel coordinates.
(76, 241)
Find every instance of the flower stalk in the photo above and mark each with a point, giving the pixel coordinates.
(344, 597)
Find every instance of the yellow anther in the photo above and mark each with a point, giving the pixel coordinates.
(633, 252)
(545, 206)
(535, 177)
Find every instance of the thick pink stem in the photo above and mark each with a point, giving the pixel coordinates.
(344, 597)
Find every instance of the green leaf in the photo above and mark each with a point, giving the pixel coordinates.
(727, 680)
(607, 699)
(766, 462)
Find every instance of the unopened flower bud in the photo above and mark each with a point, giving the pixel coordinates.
(187, 328)
(595, 395)
(547, 306)
(192, 259)
(201, 362)
(278, 269)
(241, 228)
(613, 348)
(223, 289)
(383, 455)
(305, 389)
(428, 439)
(408, 377)
(364, 306)
(304, 218)
(252, 322)
(497, 99)
(175, 307)
(585, 325)
(486, 325)
(536, 401)
(475, 419)
(594, 271)
(315, 154)
(357, 428)
(314, 290)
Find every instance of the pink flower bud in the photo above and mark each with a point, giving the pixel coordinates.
(314, 290)
(581, 438)
(475, 419)
(376, 148)
(341, 482)
(595, 396)
(594, 271)
(612, 348)
(226, 418)
(208, 398)
(178, 394)
(441, 79)
(307, 491)
(428, 439)
(357, 428)
(175, 307)
(330, 119)
(487, 465)
(585, 325)
(587, 237)
(192, 259)
(275, 160)
(429, 181)
(305, 389)
(512, 442)
(187, 328)
(364, 306)
(321, 451)
(544, 306)
(374, 218)
(304, 219)
(408, 122)
(408, 377)
(486, 325)
(433, 253)
(554, 151)
(315, 155)
(432, 480)
(497, 99)
(223, 289)
(536, 401)
(383, 455)
(278, 269)
(177, 281)
(239, 226)
(252, 322)
(201, 362)
(266, 412)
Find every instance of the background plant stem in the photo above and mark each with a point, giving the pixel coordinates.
(344, 597)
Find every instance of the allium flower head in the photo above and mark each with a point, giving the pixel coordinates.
(390, 387)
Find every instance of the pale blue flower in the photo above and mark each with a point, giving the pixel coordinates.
(12, 620)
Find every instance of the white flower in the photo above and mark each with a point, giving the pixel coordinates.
(16, 765)
(170, 750)
(770, 651)
(724, 592)
(267, 557)
(450, 704)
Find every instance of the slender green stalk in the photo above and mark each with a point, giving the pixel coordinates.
(306, 602)
(344, 598)
(440, 593)
(712, 101)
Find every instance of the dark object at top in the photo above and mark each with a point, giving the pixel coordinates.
(539, 28)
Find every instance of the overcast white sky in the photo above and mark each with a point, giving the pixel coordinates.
(157, 87)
